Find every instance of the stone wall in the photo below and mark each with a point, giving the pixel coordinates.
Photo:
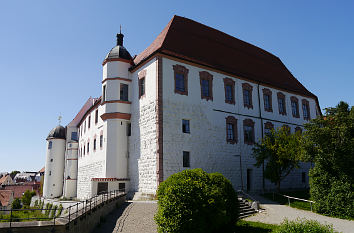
(85, 174)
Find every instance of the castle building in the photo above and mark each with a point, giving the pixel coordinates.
(195, 98)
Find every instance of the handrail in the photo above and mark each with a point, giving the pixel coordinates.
(246, 194)
(296, 198)
(66, 213)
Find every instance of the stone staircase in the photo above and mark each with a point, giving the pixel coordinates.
(245, 208)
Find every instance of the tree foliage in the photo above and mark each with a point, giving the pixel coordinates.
(280, 152)
(329, 144)
(16, 204)
(195, 201)
(13, 174)
(27, 197)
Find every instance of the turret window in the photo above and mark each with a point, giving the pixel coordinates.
(94, 144)
(96, 116)
(101, 141)
(123, 92)
(50, 144)
(141, 87)
(104, 93)
(88, 148)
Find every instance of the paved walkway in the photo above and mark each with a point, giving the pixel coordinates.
(275, 213)
(131, 217)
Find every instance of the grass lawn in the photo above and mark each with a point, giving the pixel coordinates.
(24, 214)
(257, 227)
(303, 194)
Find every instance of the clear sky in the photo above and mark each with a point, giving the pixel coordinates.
(51, 54)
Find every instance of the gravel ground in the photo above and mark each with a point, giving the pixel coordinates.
(275, 213)
(131, 217)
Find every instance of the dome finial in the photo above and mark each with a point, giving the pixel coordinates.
(120, 37)
(59, 118)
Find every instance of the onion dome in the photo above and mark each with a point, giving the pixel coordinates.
(57, 133)
(119, 51)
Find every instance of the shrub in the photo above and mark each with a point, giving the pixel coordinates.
(60, 209)
(27, 196)
(16, 204)
(195, 201)
(303, 225)
(54, 209)
(48, 208)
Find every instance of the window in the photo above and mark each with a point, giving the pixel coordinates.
(267, 100)
(104, 93)
(229, 86)
(84, 126)
(84, 149)
(89, 122)
(281, 103)
(248, 131)
(206, 85)
(121, 187)
(94, 144)
(231, 130)
(101, 141)
(295, 107)
(51, 160)
(247, 95)
(96, 116)
(268, 126)
(181, 79)
(141, 87)
(74, 136)
(50, 173)
(306, 109)
(186, 162)
(50, 144)
(129, 129)
(185, 126)
(124, 92)
(88, 147)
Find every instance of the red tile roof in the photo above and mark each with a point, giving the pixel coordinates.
(5, 196)
(194, 42)
(2, 179)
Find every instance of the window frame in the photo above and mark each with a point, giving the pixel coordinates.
(204, 75)
(96, 116)
(230, 120)
(281, 96)
(267, 93)
(306, 104)
(186, 130)
(247, 87)
(295, 100)
(229, 82)
(268, 126)
(141, 78)
(184, 160)
(122, 87)
(248, 123)
(182, 70)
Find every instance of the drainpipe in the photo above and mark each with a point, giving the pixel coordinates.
(260, 117)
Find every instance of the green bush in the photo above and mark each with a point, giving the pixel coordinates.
(60, 209)
(16, 204)
(48, 208)
(303, 225)
(27, 196)
(54, 209)
(195, 201)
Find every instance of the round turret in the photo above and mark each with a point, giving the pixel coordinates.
(54, 168)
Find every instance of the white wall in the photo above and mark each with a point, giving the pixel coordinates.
(207, 141)
(143, 139)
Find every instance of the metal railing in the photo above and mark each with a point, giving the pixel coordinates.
(295, 198)
(68, 214)
(243, 193)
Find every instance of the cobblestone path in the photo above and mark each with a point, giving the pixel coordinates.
(131, 217)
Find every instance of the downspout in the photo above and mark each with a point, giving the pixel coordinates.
(260, 117)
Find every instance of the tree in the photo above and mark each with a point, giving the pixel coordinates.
(280, 151)
(13, 174)
(329, 144)
(27, 197)
(16, 204)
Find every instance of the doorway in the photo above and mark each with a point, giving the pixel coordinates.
(249, 179)
(102, 187)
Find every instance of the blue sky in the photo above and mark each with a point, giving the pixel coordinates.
(51, 54)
